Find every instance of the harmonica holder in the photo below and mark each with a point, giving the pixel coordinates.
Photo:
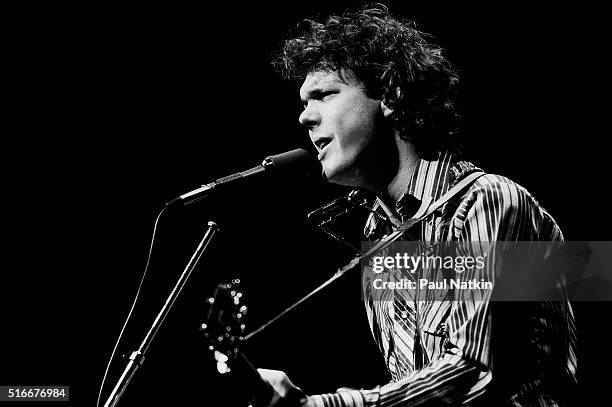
(339, 207)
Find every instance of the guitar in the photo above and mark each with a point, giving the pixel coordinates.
(224, 331)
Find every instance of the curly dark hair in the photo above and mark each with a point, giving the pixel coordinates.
(395, 62)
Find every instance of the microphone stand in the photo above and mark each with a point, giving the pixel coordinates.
(137, 357)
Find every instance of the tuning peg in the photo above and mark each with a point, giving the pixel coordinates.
(223, 368)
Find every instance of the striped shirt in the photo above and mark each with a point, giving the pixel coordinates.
(452, 351)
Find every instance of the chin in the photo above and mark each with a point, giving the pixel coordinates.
(335, 175)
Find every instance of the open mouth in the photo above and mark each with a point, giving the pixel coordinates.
(322, 142)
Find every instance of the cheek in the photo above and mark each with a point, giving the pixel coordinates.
(358, 126)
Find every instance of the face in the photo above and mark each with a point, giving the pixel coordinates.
(342, 122)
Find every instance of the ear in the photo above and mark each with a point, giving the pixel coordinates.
(386, 110)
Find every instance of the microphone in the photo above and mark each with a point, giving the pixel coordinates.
(296, 162)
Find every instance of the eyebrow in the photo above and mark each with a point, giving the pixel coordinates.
(321, 87)
(312, 93)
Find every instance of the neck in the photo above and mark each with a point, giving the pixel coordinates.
(407, 164)
(407, 160)
(388, 178)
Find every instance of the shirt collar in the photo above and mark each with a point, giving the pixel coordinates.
(430, 179)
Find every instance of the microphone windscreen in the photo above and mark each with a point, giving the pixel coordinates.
(298, 161)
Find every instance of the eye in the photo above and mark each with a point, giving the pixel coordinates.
(327, 94)
(320, 95)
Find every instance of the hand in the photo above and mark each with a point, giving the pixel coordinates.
(285, 393)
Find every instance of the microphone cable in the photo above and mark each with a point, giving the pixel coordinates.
(146, 269)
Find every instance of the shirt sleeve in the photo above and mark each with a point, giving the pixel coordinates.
(495, 209)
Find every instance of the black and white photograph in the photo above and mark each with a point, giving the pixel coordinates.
(306, 204)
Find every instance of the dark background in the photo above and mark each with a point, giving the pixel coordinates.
(111, 110)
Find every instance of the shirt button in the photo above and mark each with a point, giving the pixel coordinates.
(404, 314)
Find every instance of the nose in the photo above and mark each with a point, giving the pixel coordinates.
(310, 117)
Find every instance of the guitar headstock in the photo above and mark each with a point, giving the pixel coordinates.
(224, 326)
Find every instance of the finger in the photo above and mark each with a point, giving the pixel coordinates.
(294, 397)
(272, 376)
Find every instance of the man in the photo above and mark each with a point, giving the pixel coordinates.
(379, 107)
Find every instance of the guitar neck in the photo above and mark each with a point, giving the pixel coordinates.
(248, 374)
